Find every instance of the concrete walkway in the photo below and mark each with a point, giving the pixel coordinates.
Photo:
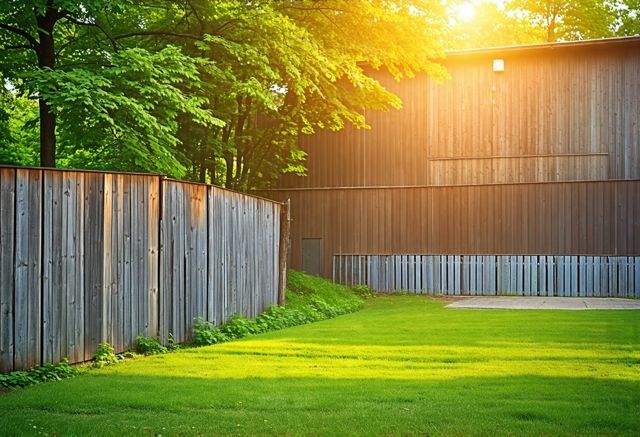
(546, 303)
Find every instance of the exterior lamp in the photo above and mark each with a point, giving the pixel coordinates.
(498, 65)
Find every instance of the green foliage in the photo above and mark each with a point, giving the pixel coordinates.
(36, 375)
(403, 366)
(105, 356)
(492, 26)
(215, 90)
(134, 104)
(569, 19)
(309, 299)
(150, 346)
(628, 12)
(363, 291)
(538, 21)
(18, 138)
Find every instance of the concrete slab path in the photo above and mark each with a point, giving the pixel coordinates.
(546, 303)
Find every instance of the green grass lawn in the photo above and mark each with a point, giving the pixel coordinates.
(404, 365)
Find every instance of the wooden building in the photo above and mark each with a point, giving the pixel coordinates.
(520, 174)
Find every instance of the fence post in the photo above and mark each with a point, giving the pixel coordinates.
(285, 229)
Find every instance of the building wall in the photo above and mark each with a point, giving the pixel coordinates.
(541, 159)
(568, 218)
(554, 114)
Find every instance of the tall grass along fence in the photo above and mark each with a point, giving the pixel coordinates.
(90, 257)
(470, 275)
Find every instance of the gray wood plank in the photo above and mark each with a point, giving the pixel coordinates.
(551, 276)
(589, 276)
(597, 286)
(636, 276)
(457, 275)
(79, 273)
(534, 276)
(622, 276)
(560, 281)
(93, 251)
(50, 332)
(513, 274)
(7, 242)
(574, 276)
(527, 275)
(542, 275)
(27, 270)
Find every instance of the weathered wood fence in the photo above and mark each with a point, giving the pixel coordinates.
(91, 257)
(469, 275)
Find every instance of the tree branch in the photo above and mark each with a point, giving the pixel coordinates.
(158, 33)
(95, 24)
(311, 8)
(32, 41)
(198, 18)
(18, 47)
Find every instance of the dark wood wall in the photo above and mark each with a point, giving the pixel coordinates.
(555, 114)
(543, 158)
(570, 218)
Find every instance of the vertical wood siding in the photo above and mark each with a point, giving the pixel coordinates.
(552, 115)
(88, 257)
(596, 218)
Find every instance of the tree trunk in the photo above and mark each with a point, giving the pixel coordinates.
(203, 165)
(47, 59)
(47, 135)
(228, 159)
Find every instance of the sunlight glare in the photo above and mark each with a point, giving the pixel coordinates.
(465, 12)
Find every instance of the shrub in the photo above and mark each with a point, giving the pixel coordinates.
(105, 356)
(149, 345)
(309, 299)
(363, 291)
(204, 333)
(36, 375)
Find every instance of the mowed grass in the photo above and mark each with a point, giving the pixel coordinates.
(404, 365)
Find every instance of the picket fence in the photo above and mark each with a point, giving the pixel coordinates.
(482, 275)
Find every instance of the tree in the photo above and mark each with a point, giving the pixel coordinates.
(297, 66)
(68, 55)
(628, 18)
(493, 26)
(217, 90)
(18, 140)
(568, 19)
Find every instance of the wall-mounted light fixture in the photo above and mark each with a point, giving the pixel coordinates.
(498, 65)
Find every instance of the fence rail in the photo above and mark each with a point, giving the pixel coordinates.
(470, 275)
(89, 257)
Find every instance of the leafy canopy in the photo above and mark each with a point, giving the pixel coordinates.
(207, 89)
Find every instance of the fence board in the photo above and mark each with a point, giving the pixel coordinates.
(529, 275)
(7, 243)
(27, 320)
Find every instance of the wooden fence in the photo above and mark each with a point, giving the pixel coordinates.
(89, 257)
(469, 275)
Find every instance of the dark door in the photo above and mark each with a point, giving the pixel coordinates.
(312, 256)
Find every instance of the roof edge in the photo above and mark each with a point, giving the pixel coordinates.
(617, 41)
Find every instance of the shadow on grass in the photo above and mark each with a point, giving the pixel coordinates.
(111, 404)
